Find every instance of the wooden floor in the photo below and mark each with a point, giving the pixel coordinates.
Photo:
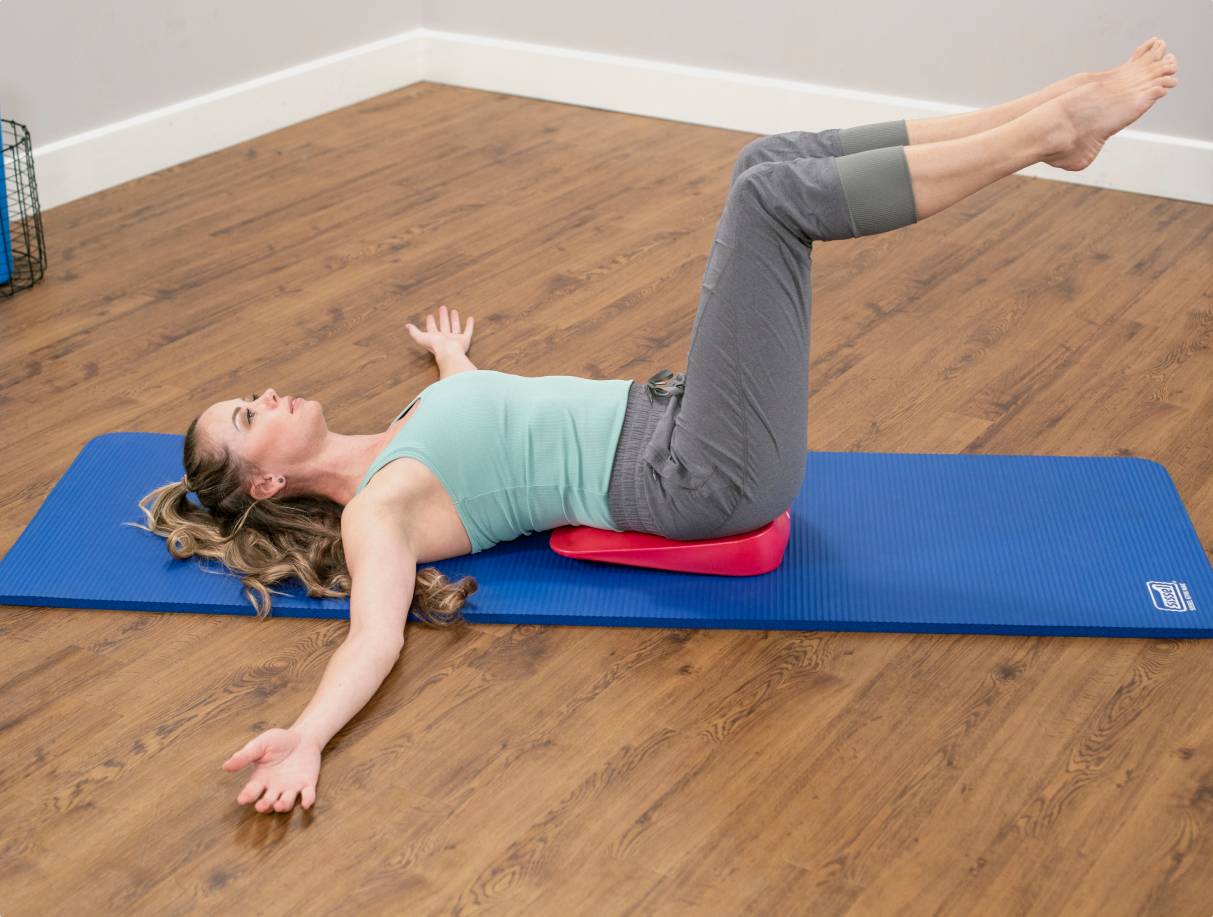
(567, 770)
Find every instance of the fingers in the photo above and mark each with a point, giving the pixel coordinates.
(453, 326)
(276, 799)
(237, 761)
(251, 791)
(287, 802)
(447, 322)
(251, 751)
(268, 801)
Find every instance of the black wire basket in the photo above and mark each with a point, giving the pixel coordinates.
(22, 253)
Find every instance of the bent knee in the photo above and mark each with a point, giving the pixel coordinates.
(751, 154)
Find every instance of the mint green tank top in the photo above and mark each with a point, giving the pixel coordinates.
(517, 454)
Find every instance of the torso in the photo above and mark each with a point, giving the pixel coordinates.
(409, 486)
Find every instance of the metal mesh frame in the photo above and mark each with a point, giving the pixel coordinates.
(23, 243)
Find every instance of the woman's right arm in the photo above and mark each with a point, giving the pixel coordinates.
(383, 571)
(383, 575)
(355, 671)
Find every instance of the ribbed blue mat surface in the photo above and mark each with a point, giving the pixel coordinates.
(1001, 544)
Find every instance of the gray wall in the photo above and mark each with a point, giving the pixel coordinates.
(955, 51)
(67, 67)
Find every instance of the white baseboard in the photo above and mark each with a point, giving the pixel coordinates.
(124, 150)
(1136, 161)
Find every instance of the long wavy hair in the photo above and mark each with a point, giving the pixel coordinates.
(269, 540)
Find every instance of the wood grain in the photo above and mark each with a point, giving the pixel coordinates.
(549, 770)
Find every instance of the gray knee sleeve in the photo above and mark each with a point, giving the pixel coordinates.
(876, 185)
(873, 136)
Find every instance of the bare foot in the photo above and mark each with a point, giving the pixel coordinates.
(1109, 102)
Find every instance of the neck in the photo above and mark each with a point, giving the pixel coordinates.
(342, 463)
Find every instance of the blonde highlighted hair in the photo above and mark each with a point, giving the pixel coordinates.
(270, 540)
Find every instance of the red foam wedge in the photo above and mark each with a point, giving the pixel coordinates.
(744, 554)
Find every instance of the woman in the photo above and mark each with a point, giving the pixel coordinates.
(717, 450)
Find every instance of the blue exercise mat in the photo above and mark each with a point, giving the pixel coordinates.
(1000, 544)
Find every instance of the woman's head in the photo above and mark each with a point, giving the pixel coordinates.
(271, 437)
(254, 522)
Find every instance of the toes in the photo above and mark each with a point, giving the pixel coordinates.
(1151, 50)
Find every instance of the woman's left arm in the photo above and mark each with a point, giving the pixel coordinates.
(452, 360)
(446, 341)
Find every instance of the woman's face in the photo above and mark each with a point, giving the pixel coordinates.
(275, 434)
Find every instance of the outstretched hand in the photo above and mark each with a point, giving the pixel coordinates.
(287, 765)
(443, 334)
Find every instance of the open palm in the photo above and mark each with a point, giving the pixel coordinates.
(444, 333)
(287, 765)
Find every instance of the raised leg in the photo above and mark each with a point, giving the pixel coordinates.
(875, 180)
(789, 145)
(952, 127)
(845, 141)
(917, 131)
(948, 171)
(1067, 132)
(729, 454)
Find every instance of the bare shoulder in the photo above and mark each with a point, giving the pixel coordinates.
(384, 504)
(405, 493)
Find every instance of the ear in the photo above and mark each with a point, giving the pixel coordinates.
(265, 487)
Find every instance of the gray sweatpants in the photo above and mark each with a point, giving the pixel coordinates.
(720, 449)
